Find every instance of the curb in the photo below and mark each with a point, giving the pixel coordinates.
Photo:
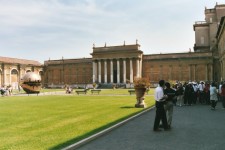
(90, 138)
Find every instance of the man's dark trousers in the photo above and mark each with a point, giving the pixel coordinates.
(160, 115)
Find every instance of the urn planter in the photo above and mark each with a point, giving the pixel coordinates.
(140, 96)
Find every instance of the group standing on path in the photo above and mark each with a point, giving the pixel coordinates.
(6, 90)
(187, 95)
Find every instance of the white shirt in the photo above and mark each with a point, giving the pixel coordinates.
(195, 87)
(220, 88)
(201, 87)
(159, 93)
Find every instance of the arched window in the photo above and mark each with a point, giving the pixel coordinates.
(14, 72)
(41, 73)
(14, 77)
(28, 71)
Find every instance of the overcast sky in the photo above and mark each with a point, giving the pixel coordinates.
(43, 29)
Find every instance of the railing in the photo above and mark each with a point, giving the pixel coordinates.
(210, 10)
(200, 22)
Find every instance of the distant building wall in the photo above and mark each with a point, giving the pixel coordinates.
(13, 69)
(58, 73)
(178, 66)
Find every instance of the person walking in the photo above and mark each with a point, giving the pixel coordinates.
(222, 95)
(168, 106)
(195, 88)
(207, 93)
(180, 94)
(188, 94)
(213, 96)
(159, 104)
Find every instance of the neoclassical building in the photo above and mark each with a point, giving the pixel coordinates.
(12, 69)
(122, 63)
(116, 64)
(221, 47)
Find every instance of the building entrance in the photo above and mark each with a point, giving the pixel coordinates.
(114, 76)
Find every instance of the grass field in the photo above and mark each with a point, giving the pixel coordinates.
(54, 122)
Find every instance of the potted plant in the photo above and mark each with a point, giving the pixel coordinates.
(140, 86)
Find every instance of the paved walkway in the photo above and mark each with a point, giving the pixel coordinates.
(194, 128)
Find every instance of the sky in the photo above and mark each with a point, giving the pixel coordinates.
(51, 29)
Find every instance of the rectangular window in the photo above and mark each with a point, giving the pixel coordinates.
(210, 20)
(202, 40)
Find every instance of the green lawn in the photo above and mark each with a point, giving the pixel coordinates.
(53, 122)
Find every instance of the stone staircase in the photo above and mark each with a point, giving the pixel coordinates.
(110, 86)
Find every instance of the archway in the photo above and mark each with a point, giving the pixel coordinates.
(41, 73)
(28, 71)
(1, 78)
(14, 79)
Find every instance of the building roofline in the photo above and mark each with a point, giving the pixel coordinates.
(10, 60)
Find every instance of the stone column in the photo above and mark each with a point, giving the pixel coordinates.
(111, 70)
(138, 68)
(180, 73)
(170, 73)
(131, 71)
(206, 72)
(118, 71)
(161, 72)
(19, 74)
(151, 73)
(221, 70)
(105, 70)
(99, 71)
(94, 71)
(194, 72)
(10, 76)
(211, 73)
(4, 76)
(124, 71)
(189, 72)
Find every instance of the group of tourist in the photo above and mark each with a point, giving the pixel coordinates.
(68, 89)
(203, 92)
(185, 94)
(6, 90)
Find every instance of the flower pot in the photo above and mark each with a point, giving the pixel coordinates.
(140, 96)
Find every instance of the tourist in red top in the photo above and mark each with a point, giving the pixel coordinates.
(207, 93)
(222, 94)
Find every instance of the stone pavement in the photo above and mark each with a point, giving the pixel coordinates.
(194, 127)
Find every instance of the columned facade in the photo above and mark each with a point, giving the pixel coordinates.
(99, 71)
(121, 63)
(124, 71)
(116, 70)
(105, 71)
(131, 71)
(111, 70)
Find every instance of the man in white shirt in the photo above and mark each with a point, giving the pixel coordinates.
(201, 87)
(160, 111)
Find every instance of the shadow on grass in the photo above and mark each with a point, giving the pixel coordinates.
(127, 107)
(77, 139)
